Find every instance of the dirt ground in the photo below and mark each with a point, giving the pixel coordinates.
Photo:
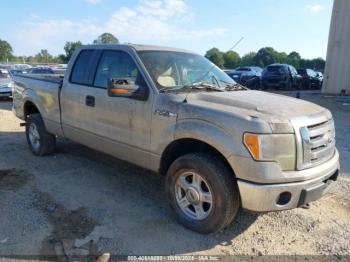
(81, 202)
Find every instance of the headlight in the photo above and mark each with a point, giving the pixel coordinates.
(279, 148)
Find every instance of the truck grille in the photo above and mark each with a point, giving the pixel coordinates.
(318, 142)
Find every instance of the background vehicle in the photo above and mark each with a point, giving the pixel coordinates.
(220, 145)
(5, 83)
(310, 79)
(59, 69)
(249, 76)
(280, 76)
(40, 71)
(16, 71)
(320, 76)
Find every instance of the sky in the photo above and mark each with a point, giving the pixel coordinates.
(285, 25)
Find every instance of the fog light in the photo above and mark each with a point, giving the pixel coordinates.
(284, 198)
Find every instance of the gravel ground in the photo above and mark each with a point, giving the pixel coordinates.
(80, 202)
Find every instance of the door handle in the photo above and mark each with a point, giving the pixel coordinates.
(90, 101)
(165, 113)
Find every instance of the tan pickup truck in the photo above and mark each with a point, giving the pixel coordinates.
(220, 145)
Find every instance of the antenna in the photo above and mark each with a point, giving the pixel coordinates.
(211, 68)
(236, 44)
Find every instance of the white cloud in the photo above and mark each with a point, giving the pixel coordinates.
(149, 20)
(94, 2)
(315, 8)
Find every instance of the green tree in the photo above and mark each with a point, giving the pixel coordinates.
(5, 50)
(248, 59)
(294, 59)
(267, 56)
(231, 60)
(216, 56)
(319, 64)
(43, 57)
(282, 58)
(106, 38)
(69, 49)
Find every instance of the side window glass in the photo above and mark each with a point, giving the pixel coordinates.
(117, 64)
(80, 73)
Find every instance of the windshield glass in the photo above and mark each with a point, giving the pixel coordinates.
(275, 68)
(172, 70)
(243, 69)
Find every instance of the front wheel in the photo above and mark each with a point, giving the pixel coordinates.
(40, 142)
(203, 193)
(289, 84)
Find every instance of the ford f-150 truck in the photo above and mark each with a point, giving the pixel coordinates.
(220, 145)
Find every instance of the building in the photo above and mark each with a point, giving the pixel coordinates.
(337, 72)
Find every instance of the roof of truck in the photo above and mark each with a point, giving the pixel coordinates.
(140, 47)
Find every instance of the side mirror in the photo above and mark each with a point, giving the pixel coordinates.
(126, 87)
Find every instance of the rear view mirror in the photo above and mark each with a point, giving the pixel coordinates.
(123, 87)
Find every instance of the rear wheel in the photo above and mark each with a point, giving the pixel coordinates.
(256, 84)
(203, 193)
(40, 142)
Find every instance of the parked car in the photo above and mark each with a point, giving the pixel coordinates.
(5, 83)
(280, 76)
(320, 76)
(16, 71)
(249, 76)
(310, 79)
(40, 71)
(220, 146)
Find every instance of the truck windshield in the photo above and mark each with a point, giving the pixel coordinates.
(175, 70)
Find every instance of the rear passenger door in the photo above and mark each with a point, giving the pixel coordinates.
(74, 91)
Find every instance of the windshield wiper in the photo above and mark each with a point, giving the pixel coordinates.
(198, 85)
(233, 87)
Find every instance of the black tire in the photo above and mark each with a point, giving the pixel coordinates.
(46, 142)
(320, 85)
(224, 190)
(298, 86)
(256, 84)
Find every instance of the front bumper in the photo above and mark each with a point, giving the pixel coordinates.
(273, 197)
(275, 82)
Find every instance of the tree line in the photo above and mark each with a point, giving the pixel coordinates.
(226, 60)
(6, 51)
(264, 57)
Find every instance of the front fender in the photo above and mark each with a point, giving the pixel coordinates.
(211, 134)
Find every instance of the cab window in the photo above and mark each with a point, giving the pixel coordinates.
(81, 73)
(116, 64)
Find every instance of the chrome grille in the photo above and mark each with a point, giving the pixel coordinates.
(318, 142)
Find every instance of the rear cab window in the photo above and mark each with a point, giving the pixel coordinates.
(84, 67)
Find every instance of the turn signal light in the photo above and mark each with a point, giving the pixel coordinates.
(252, 143)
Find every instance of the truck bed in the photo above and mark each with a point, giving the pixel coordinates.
(43, 91)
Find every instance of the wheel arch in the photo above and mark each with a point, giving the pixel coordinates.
(183, 146)
(29, 108)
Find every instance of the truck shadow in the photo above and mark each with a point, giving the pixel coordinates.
(127, 201)
(150, 228)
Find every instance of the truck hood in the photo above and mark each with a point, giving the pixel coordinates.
(256, 103)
